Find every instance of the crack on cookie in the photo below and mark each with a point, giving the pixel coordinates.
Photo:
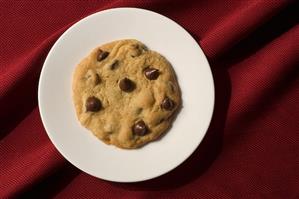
(114, 64)
(139, 111)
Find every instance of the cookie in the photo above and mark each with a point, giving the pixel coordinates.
(125, 94)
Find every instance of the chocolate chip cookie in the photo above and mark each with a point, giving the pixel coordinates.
(126, 94)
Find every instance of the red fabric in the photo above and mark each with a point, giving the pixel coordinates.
(251, 149)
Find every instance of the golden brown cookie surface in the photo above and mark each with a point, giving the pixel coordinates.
(125, 94)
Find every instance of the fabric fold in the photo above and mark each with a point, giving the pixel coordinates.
(251, 149)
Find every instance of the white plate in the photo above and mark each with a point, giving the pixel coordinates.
(84, 150)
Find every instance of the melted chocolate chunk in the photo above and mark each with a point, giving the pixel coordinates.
(140, 128)
(151, 73)
(102, 55)
(167, 104)
(93, 104)
(126, 85)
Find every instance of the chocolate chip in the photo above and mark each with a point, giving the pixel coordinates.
(93, 104)
(151, 73)
(102, 55)
(140, 128)
(114, 64)
(126, 85)
(167, 104)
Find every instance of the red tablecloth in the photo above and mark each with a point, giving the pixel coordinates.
(251, 149)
